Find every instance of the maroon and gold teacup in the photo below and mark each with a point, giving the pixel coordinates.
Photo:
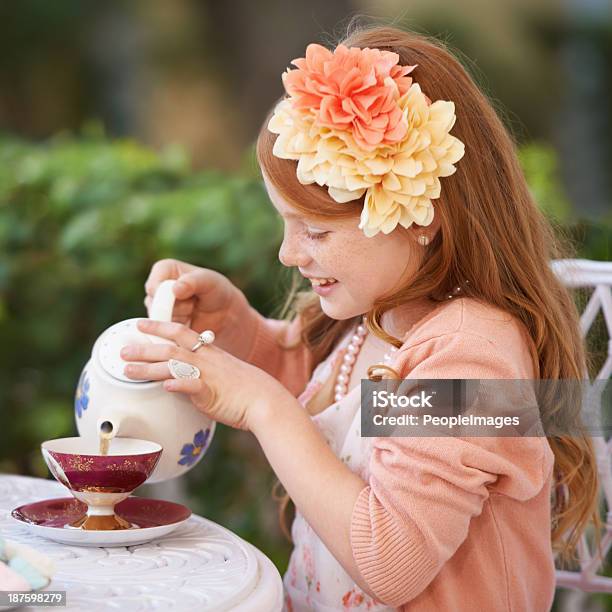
(101, 481)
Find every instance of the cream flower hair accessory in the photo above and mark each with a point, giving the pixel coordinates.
(358, 124)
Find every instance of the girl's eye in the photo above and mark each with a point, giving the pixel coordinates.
(315, 235)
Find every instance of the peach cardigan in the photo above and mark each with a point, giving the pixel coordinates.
(446, 523)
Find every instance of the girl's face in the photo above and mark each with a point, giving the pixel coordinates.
(361, 269)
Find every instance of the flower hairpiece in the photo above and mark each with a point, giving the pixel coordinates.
(358, 124)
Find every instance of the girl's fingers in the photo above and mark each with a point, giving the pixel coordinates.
(150, 352)
(147, 371)
(159, 371)
(182, 320)
(182, 308)
(191, 386)
(162, 270)
(196, 283)
(201, 394)
(182, 335)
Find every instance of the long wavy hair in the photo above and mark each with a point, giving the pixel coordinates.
(487, 215)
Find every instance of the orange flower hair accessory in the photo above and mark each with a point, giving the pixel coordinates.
(358, 124)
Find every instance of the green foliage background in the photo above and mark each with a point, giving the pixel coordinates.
(82, 219)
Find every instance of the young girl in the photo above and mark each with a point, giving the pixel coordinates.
(415, 273)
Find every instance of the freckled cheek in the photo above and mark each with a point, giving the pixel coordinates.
(324, 258)
(343, 266)
(363, 277)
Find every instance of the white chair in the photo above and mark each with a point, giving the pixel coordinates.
(575, 273)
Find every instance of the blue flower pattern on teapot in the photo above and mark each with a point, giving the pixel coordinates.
(81, 400)
(191, 452)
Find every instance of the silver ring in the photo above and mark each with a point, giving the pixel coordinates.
(206, 337)
(181, 370)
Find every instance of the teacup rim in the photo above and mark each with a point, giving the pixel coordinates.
(156, 447)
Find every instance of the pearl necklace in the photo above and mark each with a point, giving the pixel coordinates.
(348, 361)
(353, 348)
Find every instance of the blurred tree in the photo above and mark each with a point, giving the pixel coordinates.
(251, 59)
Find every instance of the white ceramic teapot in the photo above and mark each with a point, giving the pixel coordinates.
(106, 400)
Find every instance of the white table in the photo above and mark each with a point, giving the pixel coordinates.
(200, 566)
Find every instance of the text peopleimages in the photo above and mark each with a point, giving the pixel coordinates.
(462, 420)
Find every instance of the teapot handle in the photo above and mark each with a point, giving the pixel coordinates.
(163, 302)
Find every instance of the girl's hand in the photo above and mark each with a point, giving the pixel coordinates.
(229, 390)
(206, 299)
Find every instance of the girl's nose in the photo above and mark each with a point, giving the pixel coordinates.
(290, 254)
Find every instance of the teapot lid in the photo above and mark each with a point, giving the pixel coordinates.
(108, 347)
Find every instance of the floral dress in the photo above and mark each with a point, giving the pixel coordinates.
(314, 579)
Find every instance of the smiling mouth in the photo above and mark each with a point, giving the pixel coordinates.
(322, 282)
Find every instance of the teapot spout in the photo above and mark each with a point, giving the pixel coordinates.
(108, 427)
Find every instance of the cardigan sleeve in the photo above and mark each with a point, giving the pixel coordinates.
(422, 492)
(270, 352)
